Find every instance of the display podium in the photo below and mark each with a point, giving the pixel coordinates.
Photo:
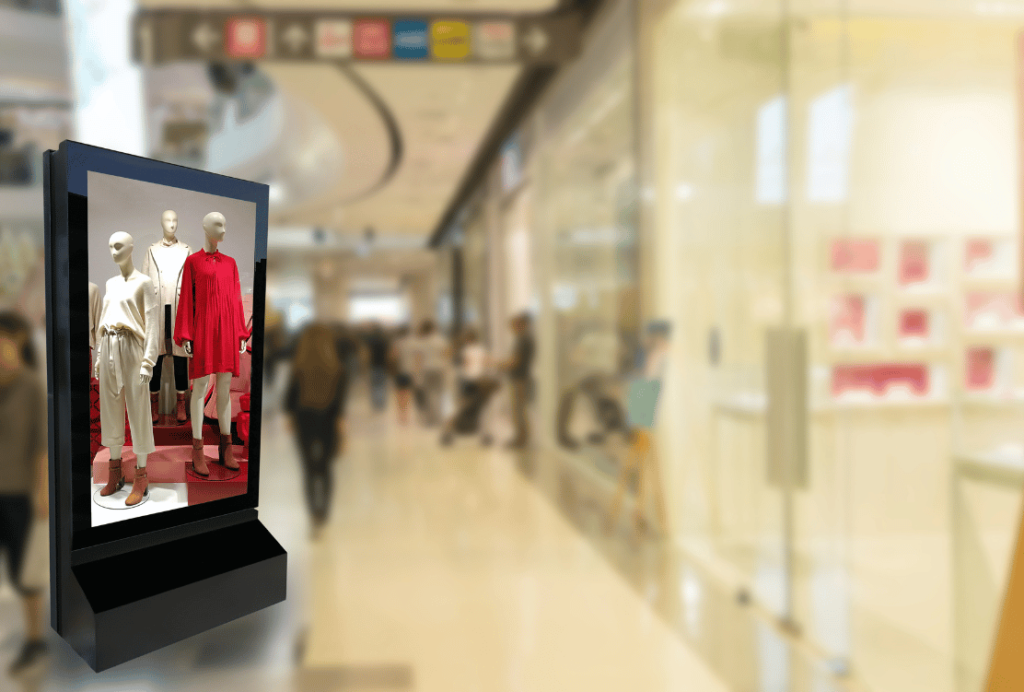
(149, 576)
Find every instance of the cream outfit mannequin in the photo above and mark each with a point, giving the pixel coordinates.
(125, 354)
(215, 227)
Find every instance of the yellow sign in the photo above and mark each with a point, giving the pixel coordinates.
(449, 40)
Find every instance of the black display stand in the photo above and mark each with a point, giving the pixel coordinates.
(121, 590)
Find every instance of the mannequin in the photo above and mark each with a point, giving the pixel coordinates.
(95, 308)
(210, 326)
(125, 355)
(164, 263)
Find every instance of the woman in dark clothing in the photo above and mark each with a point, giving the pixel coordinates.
(315, 402)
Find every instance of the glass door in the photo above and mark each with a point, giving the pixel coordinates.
(720, 120)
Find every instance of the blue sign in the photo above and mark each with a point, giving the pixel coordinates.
(411, 40)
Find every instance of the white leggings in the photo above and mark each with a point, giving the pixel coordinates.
(199, 388)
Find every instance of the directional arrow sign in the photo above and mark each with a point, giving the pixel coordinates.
(295, 38)
(170, 35)
(205, 37)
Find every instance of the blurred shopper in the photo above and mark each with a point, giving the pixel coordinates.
(472, 361)
(518, 368)
(474, 390)
(432, 351)
(403, 357)
(378, 352)
(23, 471)
(315, 400)
(275, 343)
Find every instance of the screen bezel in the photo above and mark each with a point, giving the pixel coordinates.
(67, 251)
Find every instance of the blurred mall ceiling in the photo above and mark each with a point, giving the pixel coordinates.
(443, 113)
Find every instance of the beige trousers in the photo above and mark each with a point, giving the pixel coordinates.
(121, 388)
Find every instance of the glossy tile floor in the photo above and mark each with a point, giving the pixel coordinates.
(457, 569)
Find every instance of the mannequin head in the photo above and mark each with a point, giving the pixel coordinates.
(121, 246)
(169, 222)
(215, 226)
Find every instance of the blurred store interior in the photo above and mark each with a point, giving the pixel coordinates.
(762, 426)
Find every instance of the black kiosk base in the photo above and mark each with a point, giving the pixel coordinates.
(110, 621)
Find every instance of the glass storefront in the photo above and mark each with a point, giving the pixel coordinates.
(834, 189)
(586, 211)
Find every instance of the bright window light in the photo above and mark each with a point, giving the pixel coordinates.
(830, 136)
(107, 85)
(387, 308)
(771, 152)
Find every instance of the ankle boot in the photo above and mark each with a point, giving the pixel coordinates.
(140, 487)
(154, 406)
(182, 411)
(115, 481)
(198, 458)
(227, 455)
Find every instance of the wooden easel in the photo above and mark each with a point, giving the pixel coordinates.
(642, 458)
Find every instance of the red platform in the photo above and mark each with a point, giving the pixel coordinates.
(165, 465)
(200, 491)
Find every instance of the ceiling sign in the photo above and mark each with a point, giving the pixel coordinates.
(169, 35)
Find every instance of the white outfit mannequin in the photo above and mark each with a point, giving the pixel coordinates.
(215, 228)
(125, 354)
(163, 264)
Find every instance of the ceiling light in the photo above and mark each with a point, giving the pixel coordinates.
(684, 191)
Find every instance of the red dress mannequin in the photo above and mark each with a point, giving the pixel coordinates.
(210, 313)
(210, 326)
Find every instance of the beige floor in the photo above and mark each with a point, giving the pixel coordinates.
(444, 571)
(454, 566)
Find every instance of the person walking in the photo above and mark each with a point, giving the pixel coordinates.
(403, 353)
(472, 363)
(378, 352)
(315, 402)
(518, 368)
(431, 353)
(23, 472)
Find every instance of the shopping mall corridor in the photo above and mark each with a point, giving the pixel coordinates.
(441, 569)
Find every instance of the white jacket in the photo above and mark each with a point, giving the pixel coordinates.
(163, 265)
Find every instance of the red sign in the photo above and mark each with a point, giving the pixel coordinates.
(371, 38)
(981, 368)
(914, 323)
(855, 255)
(914, 263)
(879, 378)
(246, 37)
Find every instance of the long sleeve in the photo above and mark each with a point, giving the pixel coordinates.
(95, 307)
(152, 309)
(243, 332)
(183, 321)
(99, 342)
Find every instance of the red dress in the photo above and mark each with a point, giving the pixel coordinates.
(210, 313)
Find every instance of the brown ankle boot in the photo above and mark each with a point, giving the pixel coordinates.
(154, 406)
(115, 481)
(140, 487)
(198, 458)
(182, 410)
(227, 454)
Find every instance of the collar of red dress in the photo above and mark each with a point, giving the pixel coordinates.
(210, 255)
